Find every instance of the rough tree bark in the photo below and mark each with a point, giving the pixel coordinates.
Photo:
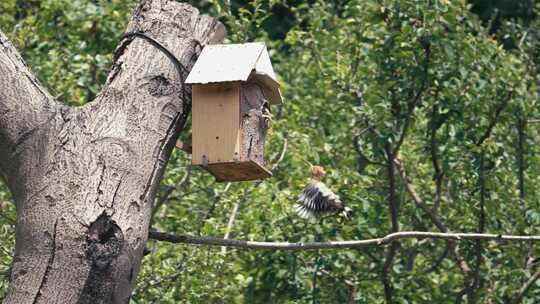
(84, 179)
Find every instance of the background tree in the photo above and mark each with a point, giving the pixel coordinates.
(426, 113)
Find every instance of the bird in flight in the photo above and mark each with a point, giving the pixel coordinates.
(317, 199)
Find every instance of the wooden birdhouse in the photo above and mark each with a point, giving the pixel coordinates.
(233, 87)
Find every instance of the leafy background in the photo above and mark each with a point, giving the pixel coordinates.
(449, 87)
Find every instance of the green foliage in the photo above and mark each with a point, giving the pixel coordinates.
(454, 97)
(68, 44)
(7, 235)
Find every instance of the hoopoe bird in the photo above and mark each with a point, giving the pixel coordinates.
(317, 199)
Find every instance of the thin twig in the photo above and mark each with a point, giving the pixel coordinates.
(217, 199)
(416, 198)
(281, 155)
(184, 146)
(439, 260)
(525, 288)
(232, 219)
(234, 212)
(415, 100)
(166, 197)
(494, 119)
(359, 151)
(376, 242)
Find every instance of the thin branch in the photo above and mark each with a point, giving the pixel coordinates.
(392, 199)
(217, 199)
(435, 219)
(439, 260)
(7, 218)
(314, 290)
(385, 275)
(521, 126)
(359, 151)
(334, 275)
(475, 282)
(232, 219)
(166, 197)
(281, 155)
(416, 198)
(376, 242)
(394, 209)
(415, 100)
(523, 37)
(439, 173)
(234, 212)
(525, 288)
(494, 119)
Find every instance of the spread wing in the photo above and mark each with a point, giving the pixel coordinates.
(316, 199)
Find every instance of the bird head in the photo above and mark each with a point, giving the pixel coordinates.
(317, 172)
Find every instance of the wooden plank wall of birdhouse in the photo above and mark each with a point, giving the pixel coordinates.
(253, 125)
(216, 122)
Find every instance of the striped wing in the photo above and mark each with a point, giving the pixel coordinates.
(316, 200)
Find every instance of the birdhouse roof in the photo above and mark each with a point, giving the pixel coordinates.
(248, 62)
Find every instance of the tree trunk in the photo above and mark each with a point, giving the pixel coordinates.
(84, 179)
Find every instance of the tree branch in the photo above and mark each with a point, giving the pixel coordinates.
(362, 155)
(521, 126)
(377, 242)
(236, 207)
(525, 288)
(166, 197)
(439, 173)
(494, 119)
(416, 198)
(394, 209)
(232, 219)
(432, 213)
(392, 199)
(475, 281)
(413, 102)
(385, 275)
(25, 106)
(100, 163)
